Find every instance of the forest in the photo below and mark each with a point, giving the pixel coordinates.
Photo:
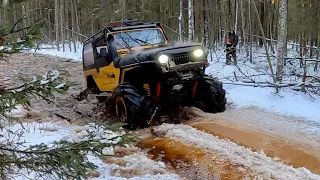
(49, 131)
(256, 22)
(202, 20)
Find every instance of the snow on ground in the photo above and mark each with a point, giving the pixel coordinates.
(286, 102)
(74, 53)
(261, 165)
(37, 133)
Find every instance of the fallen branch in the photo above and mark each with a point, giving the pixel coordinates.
(267, 84)
(63, 117)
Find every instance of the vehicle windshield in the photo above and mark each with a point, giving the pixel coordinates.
(137, 38)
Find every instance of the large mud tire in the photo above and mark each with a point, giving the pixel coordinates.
(210, 95)
(131, 106)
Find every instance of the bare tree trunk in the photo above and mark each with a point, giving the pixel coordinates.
(224, 21)
(73, 24)
(67, 24)
(262, 20)
(236, 19)
(14, 13)
(229, 24)
(282, 37)
(24, 12)
(243, 23)
(56, 23)
(206, 23)
(265, 44)
(271, 37)
(190, 20)
(304, 77)
(250, 30)
(77, 18)
(180, 20)
(49, 31)
(318, 49)
(92, 19)
(62, 25)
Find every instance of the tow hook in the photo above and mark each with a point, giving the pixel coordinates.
(177, 87)
(194, 89)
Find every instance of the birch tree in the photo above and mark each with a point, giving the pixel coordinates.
(206, 23)
(236, 17)
(56, 22)
(180, 20)
(282, 37)
(190, 20)
(62, 22)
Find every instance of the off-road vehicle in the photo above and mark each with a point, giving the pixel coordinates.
(134, 63)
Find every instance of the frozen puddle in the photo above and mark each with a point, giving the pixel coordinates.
(211, 157)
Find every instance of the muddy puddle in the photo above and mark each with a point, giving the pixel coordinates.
(192, 162)
(290, 154)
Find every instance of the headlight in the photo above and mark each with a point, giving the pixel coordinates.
(163, 59)
(198, 53)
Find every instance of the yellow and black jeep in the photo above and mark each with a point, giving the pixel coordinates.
(134, 63)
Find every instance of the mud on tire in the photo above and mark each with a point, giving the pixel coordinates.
(131, 106)
(210, 95)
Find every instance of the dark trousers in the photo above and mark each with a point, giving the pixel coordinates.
(231, 53)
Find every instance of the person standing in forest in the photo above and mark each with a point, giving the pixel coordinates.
(232, 42)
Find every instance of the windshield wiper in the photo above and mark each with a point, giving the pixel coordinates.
(127, 45)
(145, 42)
(135, 40)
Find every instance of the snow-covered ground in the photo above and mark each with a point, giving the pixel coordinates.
(287, 101)
(49, 132)
(75, 52)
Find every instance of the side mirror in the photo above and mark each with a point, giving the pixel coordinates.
(103, 52)
(110, 37)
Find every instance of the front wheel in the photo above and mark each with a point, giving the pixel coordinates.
(210, 95)
(131, 106)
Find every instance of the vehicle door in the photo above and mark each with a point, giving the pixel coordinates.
(107, 76)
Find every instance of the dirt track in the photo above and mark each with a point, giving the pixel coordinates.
(295, 141)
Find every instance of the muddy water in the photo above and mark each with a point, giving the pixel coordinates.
(273, 147)
(192, 162)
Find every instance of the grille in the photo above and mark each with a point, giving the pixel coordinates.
(181, 59)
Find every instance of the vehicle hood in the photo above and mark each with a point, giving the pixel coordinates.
(143, 55)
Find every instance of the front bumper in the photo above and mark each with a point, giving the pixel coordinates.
(186, 67)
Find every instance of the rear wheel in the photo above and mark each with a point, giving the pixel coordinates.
(210, 95)
(131, 106)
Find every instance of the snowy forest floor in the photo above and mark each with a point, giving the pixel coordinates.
(260, 135)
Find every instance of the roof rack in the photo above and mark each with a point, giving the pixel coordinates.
(121, 25)
(127, 22)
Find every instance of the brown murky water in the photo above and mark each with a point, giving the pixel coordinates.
(290, 154)
(193, 162)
